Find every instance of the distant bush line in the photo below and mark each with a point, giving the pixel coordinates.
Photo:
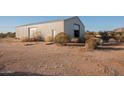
(105, 36)
(8, 34)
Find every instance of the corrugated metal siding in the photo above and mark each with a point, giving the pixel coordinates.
(45, 29)
(69, 27)
(21, 32)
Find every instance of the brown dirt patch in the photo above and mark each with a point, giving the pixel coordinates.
(37, 58)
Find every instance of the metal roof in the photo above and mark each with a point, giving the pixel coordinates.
(46, 22)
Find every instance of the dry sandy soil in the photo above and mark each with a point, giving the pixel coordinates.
(36, 58)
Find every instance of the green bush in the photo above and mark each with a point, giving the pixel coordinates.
(62, 38)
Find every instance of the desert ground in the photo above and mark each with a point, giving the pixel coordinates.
(37, 58)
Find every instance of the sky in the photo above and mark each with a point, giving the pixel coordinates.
(92, 23)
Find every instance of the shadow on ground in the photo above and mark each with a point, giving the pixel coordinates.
(110, 48)
(29, 44)
(9, 73)
(21, 74)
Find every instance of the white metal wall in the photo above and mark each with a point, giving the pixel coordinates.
(21, 32)
(45, 29)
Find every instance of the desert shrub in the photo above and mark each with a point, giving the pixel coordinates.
(2, 35)
(99, 41)
(62, 38)
(91, 44)
(26, 39)
(89, 35)
(36, 37)
(121, 37)
(113, 34)
(8, 34)
(48, 39)
(75, 40)
(105, 36)
(117, 37)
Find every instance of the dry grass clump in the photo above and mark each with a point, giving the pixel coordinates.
(48, 39)
(62, 38)
(91, 44)
(26, 39)
(36, 37)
